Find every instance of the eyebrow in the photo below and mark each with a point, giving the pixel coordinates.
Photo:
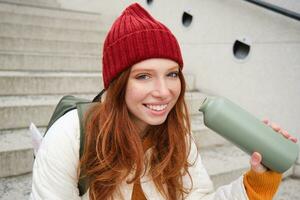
(170, 69)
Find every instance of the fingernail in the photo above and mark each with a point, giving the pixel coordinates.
(294, 139)
(266, 121)
(285, 133)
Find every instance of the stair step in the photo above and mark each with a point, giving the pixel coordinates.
(16, 155)
(26, 83)
(225, 163)
(296, 172)
(54, 22)
(53, 46)
(47, 33)
(48, 12)
(48, 3)
(26, 109)
(22, 61)
(17, 187)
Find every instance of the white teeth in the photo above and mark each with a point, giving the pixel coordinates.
(156, 107)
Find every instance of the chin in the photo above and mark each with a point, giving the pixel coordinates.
(156, 122)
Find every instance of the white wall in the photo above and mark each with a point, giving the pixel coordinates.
(267, 83)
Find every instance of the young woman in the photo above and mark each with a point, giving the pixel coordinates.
(138, 141)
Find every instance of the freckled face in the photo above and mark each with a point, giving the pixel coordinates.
(152, 90)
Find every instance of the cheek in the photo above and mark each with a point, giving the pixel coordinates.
(134, 93)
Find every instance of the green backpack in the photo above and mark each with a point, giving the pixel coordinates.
(66, 104)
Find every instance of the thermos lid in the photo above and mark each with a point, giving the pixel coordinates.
(204, 104)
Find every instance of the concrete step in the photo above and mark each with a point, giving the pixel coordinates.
(296, 172)
(48, 3)
(33, 83)
(22, 61)
(45, 21)
(49, 33)
(225, 163)
(16, 154)
(50, 46)
(26, 109)
(26, 83)
(48, 12)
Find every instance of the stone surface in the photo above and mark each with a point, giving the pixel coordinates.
(47, 62)
(48, 3)
(296, 172)
(47, 33)
(34, 83)
(46, 21)
(44, 12)
(289, 190)
(16, 155)
(17, 188)
(50, 46)
(224, 164)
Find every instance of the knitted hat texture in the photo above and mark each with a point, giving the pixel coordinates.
(133, 37)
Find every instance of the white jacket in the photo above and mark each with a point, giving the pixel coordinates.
(56, 163)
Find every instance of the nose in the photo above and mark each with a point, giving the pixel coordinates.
(161, 89)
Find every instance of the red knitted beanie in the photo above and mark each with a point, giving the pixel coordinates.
(136, 36)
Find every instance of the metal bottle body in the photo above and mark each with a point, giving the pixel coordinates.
(249, 133)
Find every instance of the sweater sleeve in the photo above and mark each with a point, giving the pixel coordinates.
(55, 167)
(261, 186)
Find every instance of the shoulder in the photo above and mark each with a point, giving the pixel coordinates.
(63, 134)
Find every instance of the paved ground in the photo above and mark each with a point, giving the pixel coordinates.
(19, 188)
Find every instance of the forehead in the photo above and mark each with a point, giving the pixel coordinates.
(155, 64)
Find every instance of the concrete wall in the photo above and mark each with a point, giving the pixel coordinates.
(266, 83)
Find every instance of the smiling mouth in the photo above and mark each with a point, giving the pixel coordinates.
(156, 107)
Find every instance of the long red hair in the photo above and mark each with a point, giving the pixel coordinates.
(113, 147)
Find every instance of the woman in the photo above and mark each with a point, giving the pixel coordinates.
(137, 141)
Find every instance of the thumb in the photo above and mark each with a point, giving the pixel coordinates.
(255, 162)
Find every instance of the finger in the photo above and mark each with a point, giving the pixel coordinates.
(255, 162)
(293, 139)
(285, 133)
(275, 127)
(266, 121)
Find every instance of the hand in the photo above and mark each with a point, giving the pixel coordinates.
(256, 157)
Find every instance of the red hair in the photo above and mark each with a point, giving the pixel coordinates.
(113, 146)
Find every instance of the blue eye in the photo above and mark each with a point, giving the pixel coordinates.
(173, 74)
(142, 77)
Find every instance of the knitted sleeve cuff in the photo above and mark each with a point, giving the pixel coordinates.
(261, 186)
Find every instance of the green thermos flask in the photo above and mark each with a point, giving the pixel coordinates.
(249, 133)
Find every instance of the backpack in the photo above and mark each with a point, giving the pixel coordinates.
(66, 104)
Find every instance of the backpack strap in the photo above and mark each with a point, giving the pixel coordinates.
(82, 108)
